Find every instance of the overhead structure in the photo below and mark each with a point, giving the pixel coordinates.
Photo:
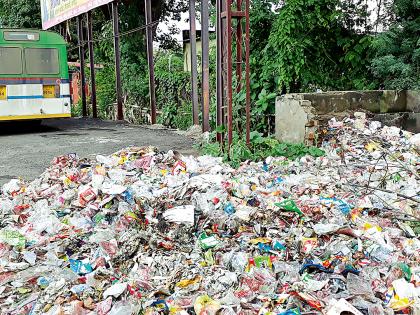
(55, 12)
(233, 30)
(233, 26)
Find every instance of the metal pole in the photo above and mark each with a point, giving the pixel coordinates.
(66, 30)
(248, 75)
(82, 63)
(115, 21)
(193, 44)
(219, 69)
(239, 48)
(228, 10)
(92, 64)
(205, 64)
(148, 11)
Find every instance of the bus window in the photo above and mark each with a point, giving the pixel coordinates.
(10, 60)
(42, 61)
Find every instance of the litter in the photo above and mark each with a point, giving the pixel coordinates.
(142, 231)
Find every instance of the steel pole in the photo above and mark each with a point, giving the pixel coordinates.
(117, 56)
(150, 61)
(194, 74)
(82, 63)
(92, 64)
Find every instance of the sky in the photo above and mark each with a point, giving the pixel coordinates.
(182, 25)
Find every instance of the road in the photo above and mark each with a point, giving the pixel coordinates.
(26, 151)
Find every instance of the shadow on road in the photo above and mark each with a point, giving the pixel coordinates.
(25, 127)
(70, 125)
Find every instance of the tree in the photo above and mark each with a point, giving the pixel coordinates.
(313, 45)
(20, 14)
(397, 61)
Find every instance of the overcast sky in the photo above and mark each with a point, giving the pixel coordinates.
(182, 25)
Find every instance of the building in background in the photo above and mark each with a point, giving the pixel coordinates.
(187, 48)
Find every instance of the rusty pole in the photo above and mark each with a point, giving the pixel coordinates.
(205, 64)
(82, 63)
(219, 70)
(194, 74)
(92, 64)
(150, 61)
(228, 12)
(239, 48)
(248, 74)
(116, 27)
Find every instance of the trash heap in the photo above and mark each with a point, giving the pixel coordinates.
(143, 232)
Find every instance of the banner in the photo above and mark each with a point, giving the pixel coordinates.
(54, 12)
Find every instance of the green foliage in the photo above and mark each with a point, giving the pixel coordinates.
(105, 90)
(173, 89)
(397, 60)
(174, 116)
(76, 110)
(312, 45)
(20, 14)
(259, 149)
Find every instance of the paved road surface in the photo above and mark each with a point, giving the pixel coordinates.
(26, 151)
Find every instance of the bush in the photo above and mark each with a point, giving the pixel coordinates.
(259, 149)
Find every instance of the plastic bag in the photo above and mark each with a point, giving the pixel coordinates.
(115, 290)
(122, 308)
(289, 206)
(6, 206)
(342, 306)
(323, 229)
(356, 285)
(181, 214)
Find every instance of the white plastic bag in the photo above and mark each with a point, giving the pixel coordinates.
(181, 214)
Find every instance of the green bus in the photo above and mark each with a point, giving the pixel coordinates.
(34, 75)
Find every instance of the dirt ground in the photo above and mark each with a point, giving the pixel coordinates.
(25, 150)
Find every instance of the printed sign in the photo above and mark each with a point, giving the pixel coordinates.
(54, 12)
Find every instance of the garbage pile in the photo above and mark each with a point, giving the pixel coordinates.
(146, 232)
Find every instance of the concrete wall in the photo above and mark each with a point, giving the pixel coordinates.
(298, 115)
(373, 101)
